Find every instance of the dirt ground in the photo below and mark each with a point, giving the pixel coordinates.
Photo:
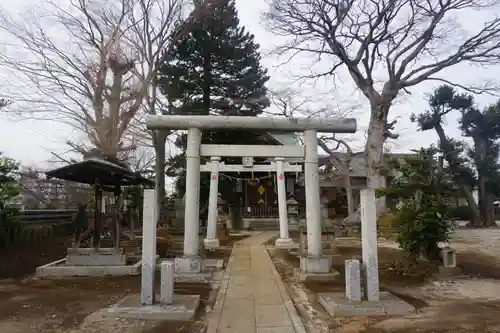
(21, 260)
(469, 302)
(74, 305)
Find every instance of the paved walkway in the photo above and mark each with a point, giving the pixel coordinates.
(252, 298)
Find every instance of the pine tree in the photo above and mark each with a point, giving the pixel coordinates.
(214, 70)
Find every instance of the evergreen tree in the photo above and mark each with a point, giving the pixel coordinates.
(214, 70)
(476, 166)
(484, 129)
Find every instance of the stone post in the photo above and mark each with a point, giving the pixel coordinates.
(149, 216)
(211, 241)
(167, 283)
(369, 243)
(353, 280)
(284, 240)
(191, 262)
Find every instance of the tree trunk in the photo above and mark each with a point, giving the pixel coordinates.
(485, 199)
(490, 220)
(348, 193)
(466, 190)
(374, 156)
(159, 144)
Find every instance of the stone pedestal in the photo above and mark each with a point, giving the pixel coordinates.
(315, 269)
(320, 264)
(285, 243)
(131, 247)
(327, 242)
(189, 265)
(211, 243)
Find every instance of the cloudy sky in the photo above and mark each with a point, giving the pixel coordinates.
(31, 142)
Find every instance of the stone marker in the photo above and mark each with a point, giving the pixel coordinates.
(449, 257)
(149, 217)
(353, 280)
(369, 244)
(167, 283)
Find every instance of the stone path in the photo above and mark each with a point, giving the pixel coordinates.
(252, 298)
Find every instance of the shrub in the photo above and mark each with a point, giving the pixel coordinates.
(421, 216)
(421, 228)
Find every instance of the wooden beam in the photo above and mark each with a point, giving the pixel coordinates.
(252, 150)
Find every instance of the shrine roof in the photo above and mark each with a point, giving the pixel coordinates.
(93, 169)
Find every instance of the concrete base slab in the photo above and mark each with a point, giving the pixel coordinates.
(183, 308)
(203, 277)
(285, 243)
(96, 257)
(307, 276)
(188, 264)
(336, 304)
(214, 263)
(211, 243)
(322, 264)
(59, 268)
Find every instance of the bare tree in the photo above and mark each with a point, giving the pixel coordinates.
(89, 64)
(411, 40)
(4, 102)
(290, 103)
(54, 193)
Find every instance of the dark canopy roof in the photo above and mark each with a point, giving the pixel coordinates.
(96, 170)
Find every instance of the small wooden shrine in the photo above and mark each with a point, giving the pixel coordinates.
(104, 175)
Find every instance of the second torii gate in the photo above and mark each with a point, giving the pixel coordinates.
(191, 262)
(279, 166)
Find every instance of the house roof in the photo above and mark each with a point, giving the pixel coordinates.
(285, 139)
(358, 164)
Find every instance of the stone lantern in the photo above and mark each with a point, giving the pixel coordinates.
(292, 212)
(326, 221)
(220, 205)
(179, 214)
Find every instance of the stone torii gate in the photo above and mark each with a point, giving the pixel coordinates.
(191, 262)
(215, 166)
